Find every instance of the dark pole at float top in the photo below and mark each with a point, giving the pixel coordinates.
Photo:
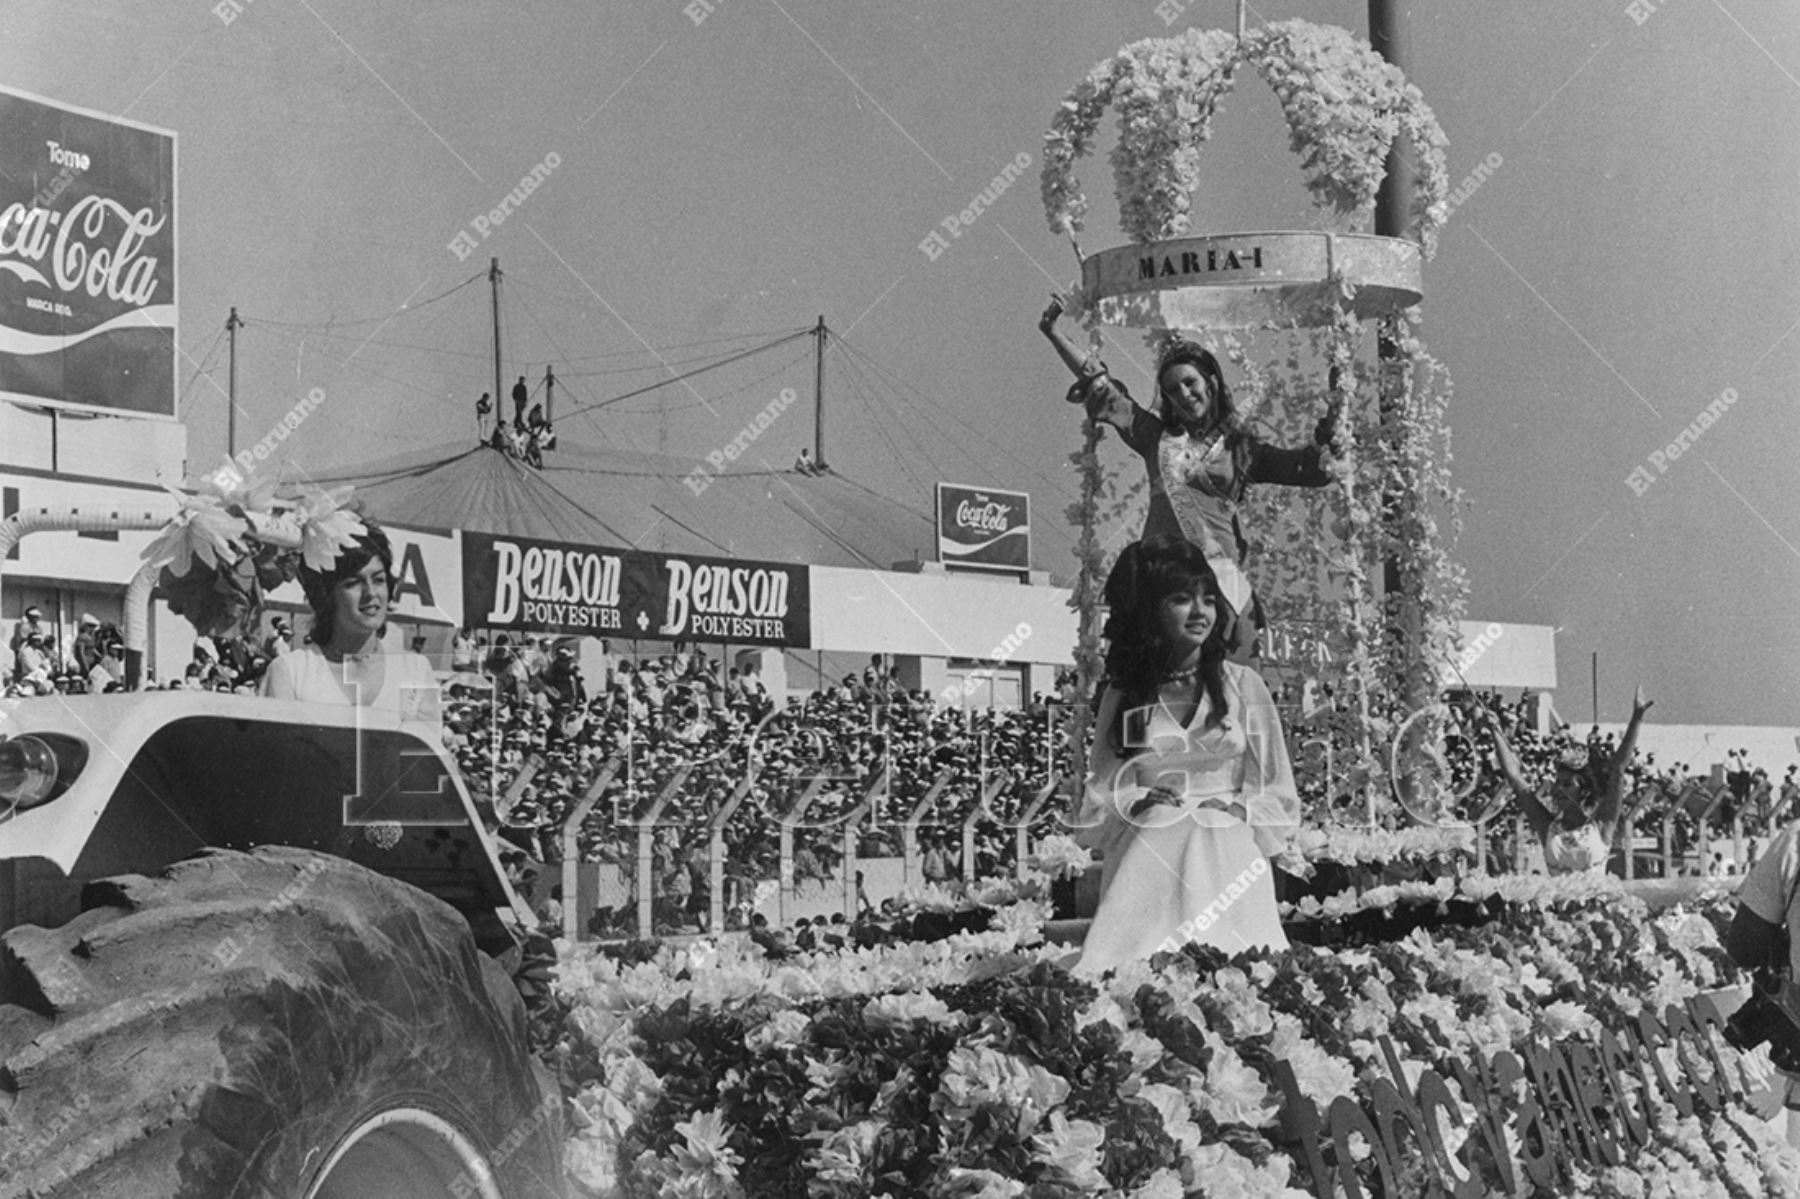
(232, 325)
(499, 395)
(819, 397)
(1388, 35)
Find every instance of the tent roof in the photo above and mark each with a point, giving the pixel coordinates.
(631, 499)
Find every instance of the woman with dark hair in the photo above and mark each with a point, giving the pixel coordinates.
(1191, 788)
(342, 661)
(1199, 457)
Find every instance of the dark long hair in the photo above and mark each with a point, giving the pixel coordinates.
(1237, 441)
(1137, 656)
(1182, 352)
(371, 544)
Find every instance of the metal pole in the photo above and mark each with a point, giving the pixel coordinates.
(819, 395)
(1388, 37)
(499, 395)
(1594, 676)
(549, 396)
(232, 324)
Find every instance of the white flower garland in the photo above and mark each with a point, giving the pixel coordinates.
(1345, 106)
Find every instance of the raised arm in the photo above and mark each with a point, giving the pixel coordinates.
(1073, 358)
(1610, 803)
(1536, 814)
(1104, 397)
(1628, 744)
(1301, 466)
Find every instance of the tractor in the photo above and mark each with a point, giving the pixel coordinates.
(256, 948)
(252, 947)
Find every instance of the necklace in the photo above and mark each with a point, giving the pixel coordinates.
(1180, 676)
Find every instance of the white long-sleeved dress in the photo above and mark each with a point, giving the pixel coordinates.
(1193, 872)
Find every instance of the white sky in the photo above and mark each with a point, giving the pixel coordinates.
(1634, 256)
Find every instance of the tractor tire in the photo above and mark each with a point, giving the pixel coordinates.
(277, 1024)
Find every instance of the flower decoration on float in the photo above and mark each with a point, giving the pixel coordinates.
(225, 549)
(327, 526)
(916, 1069)
(1345, 107)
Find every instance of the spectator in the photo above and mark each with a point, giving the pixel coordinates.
(935, 867)
(550, 912)
(32, 662)
(806, 864)
(805, 938)
(280, 640)
(769, 941)
(31, 622)
(87, 652)
(561, 679)
(464, 651)
(609, 665)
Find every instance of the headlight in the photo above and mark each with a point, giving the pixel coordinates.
(28, 772)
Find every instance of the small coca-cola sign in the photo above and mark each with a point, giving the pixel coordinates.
(983, 528)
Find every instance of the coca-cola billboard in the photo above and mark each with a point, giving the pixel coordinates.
(87, 259)
(982, 528)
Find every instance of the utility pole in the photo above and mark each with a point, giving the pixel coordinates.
(819, 395)
(232, 325)
(549, 395)
(499, 395)
(1594, 683)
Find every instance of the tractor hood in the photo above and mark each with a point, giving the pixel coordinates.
(168, 773)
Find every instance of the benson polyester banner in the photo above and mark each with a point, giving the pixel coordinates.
(534, 586)
(980, 527)
(87, 259)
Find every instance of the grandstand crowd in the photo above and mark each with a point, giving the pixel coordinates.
(531, 735)
(685, 716)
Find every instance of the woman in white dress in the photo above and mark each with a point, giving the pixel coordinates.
(342, 661)
(1191, 789)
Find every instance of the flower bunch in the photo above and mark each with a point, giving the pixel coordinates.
(1342, 102)
(223, 550)
(1058, 856)
(1165, 91)
(1362, 846)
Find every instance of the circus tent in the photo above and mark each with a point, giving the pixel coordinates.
(631, 499)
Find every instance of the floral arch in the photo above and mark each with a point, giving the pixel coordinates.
(1311, 552)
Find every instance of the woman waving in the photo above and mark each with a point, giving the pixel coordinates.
(1199, 458)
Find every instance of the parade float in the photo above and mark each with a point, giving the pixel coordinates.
(1432, 1030)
